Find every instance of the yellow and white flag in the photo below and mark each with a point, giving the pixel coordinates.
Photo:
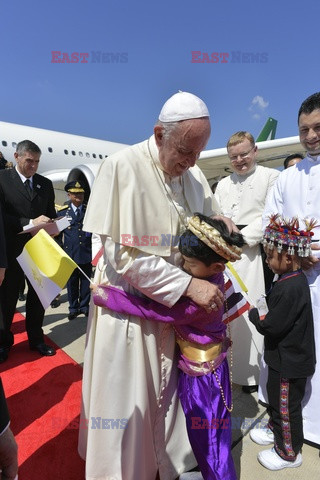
(237, 281)
(46, 265)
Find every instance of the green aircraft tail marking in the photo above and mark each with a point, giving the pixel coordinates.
(269, 130)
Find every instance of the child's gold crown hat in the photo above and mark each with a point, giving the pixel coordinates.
(285, 232)
(213, 239)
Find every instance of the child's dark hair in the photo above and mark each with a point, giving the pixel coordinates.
(191, 246)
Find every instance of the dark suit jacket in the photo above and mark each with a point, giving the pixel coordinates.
(18, 208)
(4, 414)
(3, 256)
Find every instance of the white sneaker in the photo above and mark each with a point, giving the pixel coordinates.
(191, 476)
(271, 460)
(262, 436)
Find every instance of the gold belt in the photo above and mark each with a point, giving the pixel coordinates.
(199, 353)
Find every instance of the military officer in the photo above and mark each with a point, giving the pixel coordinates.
(77, 244)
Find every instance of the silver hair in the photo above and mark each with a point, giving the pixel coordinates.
(167, 128)
(27, 146)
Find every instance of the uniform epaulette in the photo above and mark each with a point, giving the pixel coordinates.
(61, 207)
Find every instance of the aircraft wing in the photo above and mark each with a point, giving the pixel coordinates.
(215, 163)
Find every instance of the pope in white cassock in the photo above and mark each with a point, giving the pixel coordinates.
(139, 204)
(242, 197)
(297, 193)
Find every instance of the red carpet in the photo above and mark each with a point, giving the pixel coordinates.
(43, 395)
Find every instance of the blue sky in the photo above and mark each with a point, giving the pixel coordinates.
(153, 43)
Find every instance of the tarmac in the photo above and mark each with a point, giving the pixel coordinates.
(247, 412)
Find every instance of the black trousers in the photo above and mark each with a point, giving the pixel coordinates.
(285, 397)
(9, 292)
(78, 288)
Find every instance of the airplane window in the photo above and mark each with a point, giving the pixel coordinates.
(14, 144)
(73, 152)
(100, 156)
(94, 155)
(80, 154)
(87, 155)
(66, 152)
(4, 143)
(50, 149)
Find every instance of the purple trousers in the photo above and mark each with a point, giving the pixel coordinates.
(209, 422)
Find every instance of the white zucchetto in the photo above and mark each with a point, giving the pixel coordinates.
(183, 106)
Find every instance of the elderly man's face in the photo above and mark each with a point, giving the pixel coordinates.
(181, 150)
(309, 131)
(27, 163)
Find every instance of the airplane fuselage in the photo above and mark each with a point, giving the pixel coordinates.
(61, 152)
(67, 157)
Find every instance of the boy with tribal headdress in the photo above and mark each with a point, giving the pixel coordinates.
(204, 384)
(289, 342)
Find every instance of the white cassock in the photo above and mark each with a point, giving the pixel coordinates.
(297, 194)
(136, 426)
(242, 198)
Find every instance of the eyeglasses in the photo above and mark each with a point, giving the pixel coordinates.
(243, 156)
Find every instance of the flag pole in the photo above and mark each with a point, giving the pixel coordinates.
(92, 283)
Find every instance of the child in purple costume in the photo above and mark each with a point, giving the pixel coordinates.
(204, 384)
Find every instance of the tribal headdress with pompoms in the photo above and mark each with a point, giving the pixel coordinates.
(211, 237)
(285, 232)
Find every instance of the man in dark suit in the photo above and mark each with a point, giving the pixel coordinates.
(8, 445)
(77, 244)
(3, 256)
(3, 261)
(27, 199)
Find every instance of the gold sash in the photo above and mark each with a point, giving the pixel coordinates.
(199, 353)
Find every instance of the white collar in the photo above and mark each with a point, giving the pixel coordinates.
(243, 178)
(23, 178)
(74, 208)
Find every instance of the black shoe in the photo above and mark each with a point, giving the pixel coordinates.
(4, 353)
(249, 388)
(21, 297)
(55, 303)
(44, 349)
(84, 312)
(73, 315)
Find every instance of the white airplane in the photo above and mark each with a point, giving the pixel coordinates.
(66, 157)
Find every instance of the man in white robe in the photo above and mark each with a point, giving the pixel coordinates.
(297, 194)
(139, 204)
(242, 197)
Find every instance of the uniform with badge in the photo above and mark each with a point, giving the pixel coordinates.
(77, 244)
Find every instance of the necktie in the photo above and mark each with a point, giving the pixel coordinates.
(27, 184)
(77, 213)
